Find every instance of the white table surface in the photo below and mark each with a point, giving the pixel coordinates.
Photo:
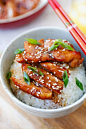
(47, 18)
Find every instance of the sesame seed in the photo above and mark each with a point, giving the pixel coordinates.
(49, 81)
(40, 78)
(32, 54)
(63, 49)
(49, 85)
(37, 57)
(60, 71)
(32, 89)
(36, 83)
(47, 77)
(56, 88)
(54, 72)
(25, 59)
(58, 100)
(54, 64)
(36, 47)
(54, 84)
(42, 81)
(56, 79)
(24, 52)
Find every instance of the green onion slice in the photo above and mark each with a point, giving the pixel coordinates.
(26, 78)
(54, 46)
(33, 41)
(35, 70)
(19, 51)
(59, 42)
(79, 84)
(40, 73)
(65, 78)
(8, 75)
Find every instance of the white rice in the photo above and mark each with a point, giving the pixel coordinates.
(69, 95)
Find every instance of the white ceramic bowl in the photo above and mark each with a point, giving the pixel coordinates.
(7, 59)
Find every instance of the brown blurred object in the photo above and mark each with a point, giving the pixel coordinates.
(12, 8)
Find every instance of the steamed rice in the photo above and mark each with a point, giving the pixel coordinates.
(69, 95)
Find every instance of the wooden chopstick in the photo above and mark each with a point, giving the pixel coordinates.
(73, 29)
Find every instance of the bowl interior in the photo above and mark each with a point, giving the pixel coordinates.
(37, 33)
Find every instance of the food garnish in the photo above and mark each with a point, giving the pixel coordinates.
(19, 51)
(35, 70)
(79, 84)
(49, 80)
(65, 78)
(26, 78)
(33, 41)
(8, 75)
(54, 46)
(40, 73)
(59, 42)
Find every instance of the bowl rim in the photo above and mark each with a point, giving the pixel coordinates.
(13, 97)
(25, 15)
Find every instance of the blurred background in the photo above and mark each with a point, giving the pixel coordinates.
(78, 13)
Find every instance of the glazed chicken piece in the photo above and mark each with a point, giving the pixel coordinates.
(20, 58)
(37, 91)
(40, 53)
(35, 53)
(73, 58)
(47, 80)
(26, 56)
(55, 69)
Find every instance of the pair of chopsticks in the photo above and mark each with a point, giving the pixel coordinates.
(71, 26)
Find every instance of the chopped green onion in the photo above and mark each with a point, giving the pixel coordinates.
(19, 51)
(79, 84)
(65, 45)
(40, 73)
(26, 78)
(33, 41)
(65, 78)
(35, 70)
(59, 42)
(54, 46)
(8, 75)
